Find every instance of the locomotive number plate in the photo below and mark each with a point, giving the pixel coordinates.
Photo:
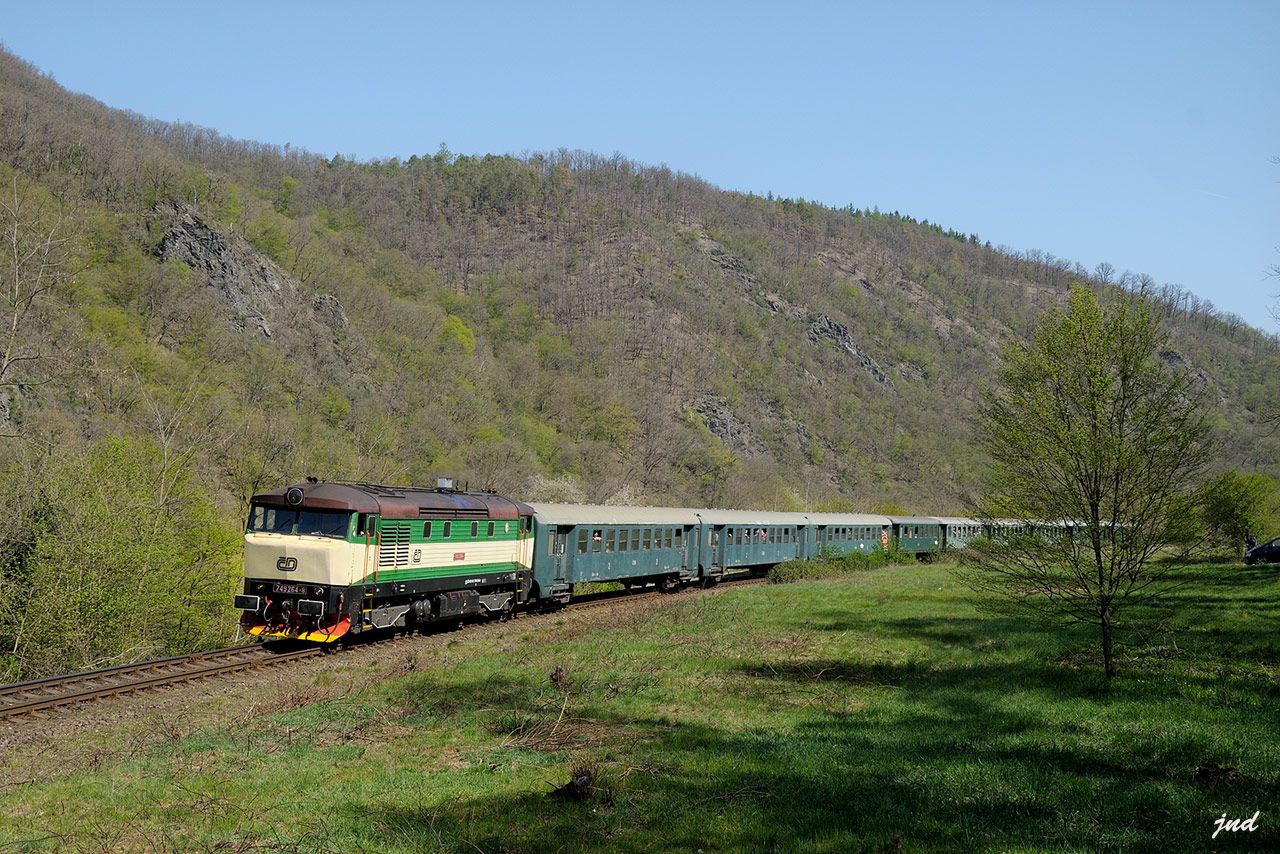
(288, 588)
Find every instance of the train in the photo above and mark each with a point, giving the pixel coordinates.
(325, 561)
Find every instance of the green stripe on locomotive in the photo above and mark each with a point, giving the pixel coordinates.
(387, 575)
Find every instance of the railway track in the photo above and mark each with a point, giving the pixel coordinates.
(40, 697)
(52, 693)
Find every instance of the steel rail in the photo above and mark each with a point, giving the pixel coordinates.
(50, 693)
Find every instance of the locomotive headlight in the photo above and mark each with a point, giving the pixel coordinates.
(319, 591)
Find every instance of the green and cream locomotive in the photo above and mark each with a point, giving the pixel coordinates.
(326, 559)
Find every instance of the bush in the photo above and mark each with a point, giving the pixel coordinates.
(831, 564)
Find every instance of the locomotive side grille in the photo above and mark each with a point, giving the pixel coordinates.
(456, 513)
(394, 550)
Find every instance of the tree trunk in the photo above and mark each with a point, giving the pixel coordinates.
(1108, 661)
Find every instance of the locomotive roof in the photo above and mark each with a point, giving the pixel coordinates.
(395, 502)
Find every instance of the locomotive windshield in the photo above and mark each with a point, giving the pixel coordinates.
(312, 523)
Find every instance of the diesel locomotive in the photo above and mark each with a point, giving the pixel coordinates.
(324, 561)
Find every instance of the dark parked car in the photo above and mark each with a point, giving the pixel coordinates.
(1268, 552)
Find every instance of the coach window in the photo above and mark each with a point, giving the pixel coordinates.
(635, 539)
(551, 541)
(624, 540)
(596, 537)
(646, 535)
(609, 537)
(583, 539)
(667, 539)
(679, 538)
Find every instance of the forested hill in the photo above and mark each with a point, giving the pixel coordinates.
(560, 326)
(194, 318)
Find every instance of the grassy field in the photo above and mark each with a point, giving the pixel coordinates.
(880, 711)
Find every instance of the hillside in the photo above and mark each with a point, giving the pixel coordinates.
(203, 317)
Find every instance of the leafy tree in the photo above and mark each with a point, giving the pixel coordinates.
(1234, 505)
(115, 563)
(1088, 425)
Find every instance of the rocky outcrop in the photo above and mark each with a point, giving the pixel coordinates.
(823, 328)
(726, 260)
(261, 299)
(249, 282)
(778, 305)
(720, 419)
(329, 311)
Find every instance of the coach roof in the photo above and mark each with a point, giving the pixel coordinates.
(604, 514)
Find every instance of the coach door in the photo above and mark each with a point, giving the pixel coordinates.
(559, 538)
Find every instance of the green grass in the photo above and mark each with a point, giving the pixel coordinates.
(877, 711)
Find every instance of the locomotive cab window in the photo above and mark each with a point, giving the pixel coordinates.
(307, 523)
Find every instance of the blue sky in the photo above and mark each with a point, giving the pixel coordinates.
(1133, 133)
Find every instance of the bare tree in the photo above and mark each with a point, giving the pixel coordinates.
(36, 261)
